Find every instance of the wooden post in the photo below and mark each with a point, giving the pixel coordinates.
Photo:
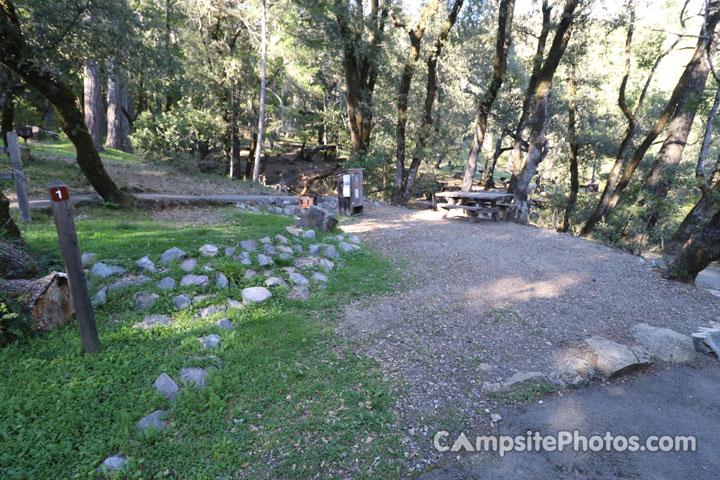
(62, 212)
(18, 176)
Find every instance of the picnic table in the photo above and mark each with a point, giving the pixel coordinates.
(475, 203)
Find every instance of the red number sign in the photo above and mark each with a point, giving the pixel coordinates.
(59, 194)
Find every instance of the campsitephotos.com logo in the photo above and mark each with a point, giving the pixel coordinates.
(534, 441)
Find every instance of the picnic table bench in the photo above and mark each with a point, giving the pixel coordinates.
(475, 203)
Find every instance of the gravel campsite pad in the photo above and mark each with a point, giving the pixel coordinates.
(481, 302)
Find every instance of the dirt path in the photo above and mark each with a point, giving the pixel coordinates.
(484, 301)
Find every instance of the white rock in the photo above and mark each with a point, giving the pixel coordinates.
(293, 231)
(495, 417)
(282, 239)
(298, 279)
(188, 265)
(612, 359)
(255, 295)
(209, 250)
(249, 274)
(248, 245)
(276, 282)
(146, 265)
(114, 463)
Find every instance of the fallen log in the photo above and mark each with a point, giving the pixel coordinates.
(46, 300)
(16, 263)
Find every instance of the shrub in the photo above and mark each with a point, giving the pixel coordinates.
(13, 326)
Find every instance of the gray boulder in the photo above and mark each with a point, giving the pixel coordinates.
(234, 304)
(249, 274)
(181, 301)
(304, 263)
(326, 264)
(144, 300)
(102, 270)
(264, 260)
(282, 239)
(126, 282)
(269, 249)
(320, 277)
(293, 231)
(209, 250)
(299, 293)
(166, 283)
(171, 254)
(567, 377)
(331, 252)
(88, 258)
(613, 359)
(210, 311)
(276, 282)
(298, 279)
(308, 235)
(224, 324)
(248, 245)
(347, 247)
(155, 420)
(318, 219)
(194, 376)
(167, 386)
(114, 463)
(100, 297)
(353, 239)
(146, 265)
(221, 281)
(665, 344)
(522, 378)
(706, 341)
(265, 240)
(210, 342)
(230, 251)
(152, 321)
(195, 280)
(188, 265)
(255, 295)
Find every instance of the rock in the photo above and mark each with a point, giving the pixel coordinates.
(331, 252)
(244, 258)
(285, 257)
(210, 342)
(521, 378)
(88, 258)
(167, 386)
(255, 295)
(293, 231)
(200, 298)
(210, 311)
(269, 249)
(305, 262)
(181, 301)
(297, 248)
(339, 238)
(282, 239)
(665, 344)
(100, 297)
(308, 235)
(489, 387)
(152, 321)
(286, 250)
(146, 265)
(298, 279)
(613, 359)
(314, 248)
(495, 417)
(276, 282)
(209, 250)
(319, 277)
(155, 420)
(144, 300)
(102, 270)
(249, 274)
(265, 240)
(166, 283)
(582, 367)
(229, 251)
(171, 254)
(318, 219)
(712, 340)
(194, 376)
(347, 247)
(353, 239)
(234, 304)
(248, 245)
(224, 324)
(326, 264)
(566, 377)
(196, 280)
(114, 463)
(299, 293)
(188, 265)
(127, 282)
(221, 281)
(264, 260)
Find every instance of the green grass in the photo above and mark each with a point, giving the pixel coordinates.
(287, 401)
(64, 149)
(528, 392)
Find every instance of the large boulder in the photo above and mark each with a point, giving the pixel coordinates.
(613, 359)
(665, 344)
(318, 219)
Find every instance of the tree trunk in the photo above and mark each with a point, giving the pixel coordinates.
(515, 163)
(702, 158)
(360, 68)
(573, 144)
(117, 131)
(234, 135)
(430, 95)
(94, 111)
(490, 174)
(520, 211)
(502, 45)
(14, 262)
(7, 225)
(678, 93)
(416, 35)
(658, 182)
(700, 251)
(12, 45)
(261, 116)
(47, 300)
(697, 216)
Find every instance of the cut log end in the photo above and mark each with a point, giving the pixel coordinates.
(46, 300)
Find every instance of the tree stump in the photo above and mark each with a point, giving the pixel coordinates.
(46, 300)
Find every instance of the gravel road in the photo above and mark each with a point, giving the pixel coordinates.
(480, 302)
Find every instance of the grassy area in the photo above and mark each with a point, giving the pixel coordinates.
(64, 149)
(286, 400)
